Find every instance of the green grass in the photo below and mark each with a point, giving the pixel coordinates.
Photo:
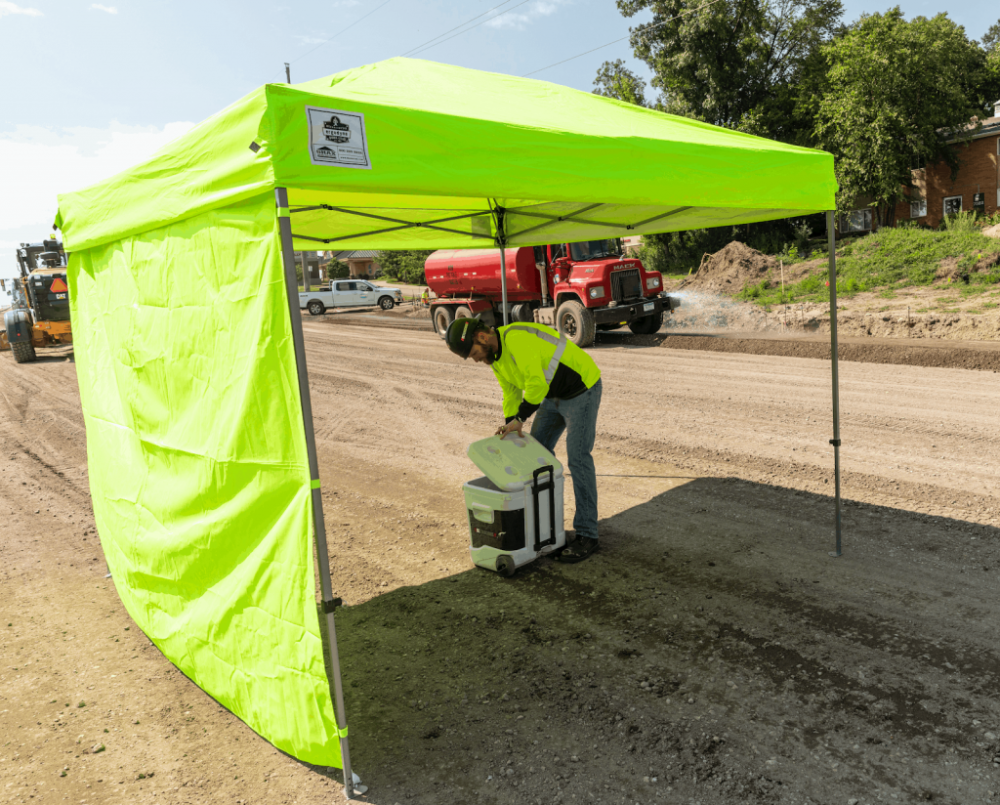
(890, 257)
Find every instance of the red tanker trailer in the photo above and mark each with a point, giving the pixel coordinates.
(578, 288)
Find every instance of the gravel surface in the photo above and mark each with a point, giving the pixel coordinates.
(711, 652)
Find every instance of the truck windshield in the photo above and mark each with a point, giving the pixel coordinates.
(594, 250)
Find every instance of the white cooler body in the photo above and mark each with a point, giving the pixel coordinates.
(512, 526)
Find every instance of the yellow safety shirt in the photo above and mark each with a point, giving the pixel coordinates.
(530, 354)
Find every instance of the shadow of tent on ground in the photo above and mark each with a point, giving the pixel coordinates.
(712, 612)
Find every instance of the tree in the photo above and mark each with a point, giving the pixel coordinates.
(615, 80)
(991, 44)
(897, 92)
(992, 37)
(337, 270)
(405, 265)
(736, 63)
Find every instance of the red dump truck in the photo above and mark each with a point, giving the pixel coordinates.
(577, 288)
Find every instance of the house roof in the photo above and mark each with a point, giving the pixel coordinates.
(991, 127)
(362, 254)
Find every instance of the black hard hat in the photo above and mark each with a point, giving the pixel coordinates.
(460, 335)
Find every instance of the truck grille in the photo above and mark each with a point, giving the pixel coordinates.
(625, 284)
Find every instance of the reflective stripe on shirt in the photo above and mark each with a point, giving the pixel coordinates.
(550, 370)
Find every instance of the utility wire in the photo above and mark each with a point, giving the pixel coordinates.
(641, 32)
(418, 47)
(344, 30)
(422, 48)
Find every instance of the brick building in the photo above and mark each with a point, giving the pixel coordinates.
(976, 187)
(934, 194)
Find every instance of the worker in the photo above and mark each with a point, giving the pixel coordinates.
(540, 371)
(425, 297)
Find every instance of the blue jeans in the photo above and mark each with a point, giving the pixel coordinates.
(578, 417)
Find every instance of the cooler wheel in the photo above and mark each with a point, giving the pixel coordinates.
(505, 566)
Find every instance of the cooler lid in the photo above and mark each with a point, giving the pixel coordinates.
(510, 463)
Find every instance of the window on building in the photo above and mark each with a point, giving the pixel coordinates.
(917, 162)
(952, 205)
(918, 209)
(857, 221)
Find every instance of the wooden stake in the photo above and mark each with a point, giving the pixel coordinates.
(781, 265)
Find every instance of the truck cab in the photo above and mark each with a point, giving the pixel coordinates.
(577, 288)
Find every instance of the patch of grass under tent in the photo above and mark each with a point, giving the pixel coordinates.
(890, 259)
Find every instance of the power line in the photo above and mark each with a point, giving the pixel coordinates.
(422, 48)
(340, 32)
(641, 32)
(460, 25)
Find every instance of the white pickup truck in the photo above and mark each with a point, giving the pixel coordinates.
(349, 293)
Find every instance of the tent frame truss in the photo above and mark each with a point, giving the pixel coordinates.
(403, 224)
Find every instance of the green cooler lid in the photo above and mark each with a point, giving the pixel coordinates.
(510, 463)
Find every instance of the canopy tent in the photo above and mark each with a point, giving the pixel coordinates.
(189, 341)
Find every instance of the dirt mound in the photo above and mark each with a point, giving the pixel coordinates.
(731, 269)
(951, 269)
(992, 231)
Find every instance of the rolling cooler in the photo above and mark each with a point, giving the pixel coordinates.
(516, 509)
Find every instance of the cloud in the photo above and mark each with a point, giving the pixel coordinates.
(521, 20)
(105, 9)
(14, 8)
(39, 162)
(311, 39)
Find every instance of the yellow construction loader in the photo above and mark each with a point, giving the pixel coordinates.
(39, 312)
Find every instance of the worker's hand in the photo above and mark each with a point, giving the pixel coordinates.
(514, 426)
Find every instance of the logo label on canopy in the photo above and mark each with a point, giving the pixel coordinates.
(337, 138)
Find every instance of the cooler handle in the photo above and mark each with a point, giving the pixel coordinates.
(483, 513)
(537, 487)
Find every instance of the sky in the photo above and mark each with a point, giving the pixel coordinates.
(89, 89)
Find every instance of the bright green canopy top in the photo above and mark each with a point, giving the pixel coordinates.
(414, 142)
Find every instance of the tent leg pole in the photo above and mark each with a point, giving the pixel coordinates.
(319, 527)
(503, 281)
(501, 241)
(835, 441)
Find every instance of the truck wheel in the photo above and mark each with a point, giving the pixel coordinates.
(386, 303)
(316, 308)
(23, 351)
(575, 322)
(462, 312)
(443, 316)
(647, 325)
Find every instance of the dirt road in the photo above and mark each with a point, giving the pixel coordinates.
(711, 652)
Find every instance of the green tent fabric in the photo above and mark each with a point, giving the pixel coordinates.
(441, 142)
(198, 466)
(186, 342)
